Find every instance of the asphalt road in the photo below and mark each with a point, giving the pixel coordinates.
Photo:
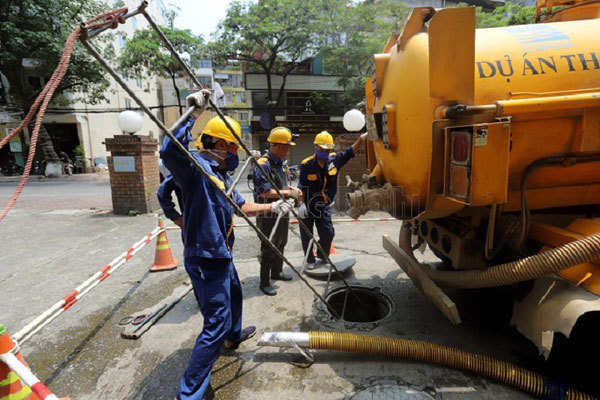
(45, 254)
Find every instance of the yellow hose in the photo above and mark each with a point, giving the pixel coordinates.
(577, 252)
(521, 378)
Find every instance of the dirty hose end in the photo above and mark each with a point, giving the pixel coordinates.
(284, 339)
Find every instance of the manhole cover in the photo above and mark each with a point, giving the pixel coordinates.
(391, 392)
(362, 304)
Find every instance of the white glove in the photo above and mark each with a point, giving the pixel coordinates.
(363, 137)
(302, 211)
(282, 206)
(199, 100)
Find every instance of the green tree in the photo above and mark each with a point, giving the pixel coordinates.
(32, 36)
(270, 36)
(355, 32)
(144, 54)
(508, 14)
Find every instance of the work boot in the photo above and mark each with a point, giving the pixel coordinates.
(282, 276)
(310, 266)
(269, 290)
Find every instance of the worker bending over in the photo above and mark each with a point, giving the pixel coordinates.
(271, 265)
(318, 182)
(208, 240)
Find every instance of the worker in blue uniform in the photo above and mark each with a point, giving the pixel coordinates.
(271, 265)
(318, 182)
(208, 239)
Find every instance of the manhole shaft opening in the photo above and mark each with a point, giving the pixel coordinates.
(363, 304)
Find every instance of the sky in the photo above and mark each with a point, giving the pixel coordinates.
(200, 16)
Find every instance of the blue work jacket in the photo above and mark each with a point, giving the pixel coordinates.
(319, 185)
(274, 167)
(208, 217)
(165, 198)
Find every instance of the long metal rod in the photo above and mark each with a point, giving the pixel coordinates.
(275, 227)
(238, 177)
(195, 162)
(237, 137)
(185, 116)
(310, 245)
(94, 32)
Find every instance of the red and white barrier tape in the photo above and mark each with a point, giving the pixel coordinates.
(72, 297)
(27, 377)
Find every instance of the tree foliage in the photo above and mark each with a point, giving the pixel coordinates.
(32, 37)
(270, 36)
(355, 32)
(145, 54)
(508, 14)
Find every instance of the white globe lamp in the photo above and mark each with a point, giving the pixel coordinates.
(354, 121)
(130, 121)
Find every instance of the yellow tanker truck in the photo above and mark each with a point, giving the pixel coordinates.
(486, 142)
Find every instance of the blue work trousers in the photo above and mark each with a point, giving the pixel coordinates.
(321, 217)
(219, 294)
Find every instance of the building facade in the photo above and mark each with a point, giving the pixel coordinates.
(309, 104)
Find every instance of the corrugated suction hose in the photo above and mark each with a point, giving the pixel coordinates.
(510, 374)
(577, 252)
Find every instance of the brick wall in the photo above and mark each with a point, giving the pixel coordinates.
(134, 191)
(355, 168)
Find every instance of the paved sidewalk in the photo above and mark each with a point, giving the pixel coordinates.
(100, 176)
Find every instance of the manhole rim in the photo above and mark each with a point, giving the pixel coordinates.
(387, 299)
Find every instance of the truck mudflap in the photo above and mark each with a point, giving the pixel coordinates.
(553, 305)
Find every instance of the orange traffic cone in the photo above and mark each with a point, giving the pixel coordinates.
(11, 386)
(332, 250)
(163, 258)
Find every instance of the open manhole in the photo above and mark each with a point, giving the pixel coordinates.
(363, 304)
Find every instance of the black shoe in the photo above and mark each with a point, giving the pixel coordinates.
(268, 290)
(282, 277)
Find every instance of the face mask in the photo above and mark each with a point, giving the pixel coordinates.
(322, 154)
(231, 160)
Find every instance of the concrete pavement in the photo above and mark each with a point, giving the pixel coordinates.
(46, 254)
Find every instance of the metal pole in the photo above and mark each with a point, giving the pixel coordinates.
(238, 138)
(185, 116)
(94, 32)
(275, 227)
(238, 177)
(195, 162)
(310, 245)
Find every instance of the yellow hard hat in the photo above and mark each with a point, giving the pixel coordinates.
(281, 135)
(325, 140)
(215, 127)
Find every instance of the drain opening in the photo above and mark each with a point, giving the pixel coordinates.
(363, 305)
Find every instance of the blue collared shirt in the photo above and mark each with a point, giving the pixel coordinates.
(319, 185)
(165, 198)
(208, 217)
(273, 166)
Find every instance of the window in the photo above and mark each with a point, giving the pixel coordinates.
(259, 103)
(242, 116)
(133, 23)
(127, 104)
(240, 97)
(121, 40)
(205, 63)
(138, 82)
(228, 98)
(205, 81)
